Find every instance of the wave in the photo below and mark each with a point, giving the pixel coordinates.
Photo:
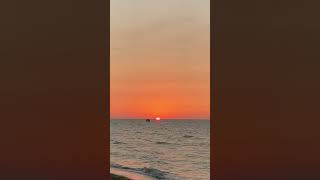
(187, 136)
(118, 142)
(162, 142)
(151, 172)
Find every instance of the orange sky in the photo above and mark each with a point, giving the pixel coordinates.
(160, 57)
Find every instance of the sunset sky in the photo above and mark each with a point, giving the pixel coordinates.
(160, 57)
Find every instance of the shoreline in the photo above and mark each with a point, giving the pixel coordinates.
(118, 177)
(121, 174)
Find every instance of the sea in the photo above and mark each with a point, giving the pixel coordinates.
(165, 149)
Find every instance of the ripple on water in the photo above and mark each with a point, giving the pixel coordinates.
(178, 149)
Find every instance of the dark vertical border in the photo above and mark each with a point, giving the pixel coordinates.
(265, 63)
(108, 116)
(212, 93)
(54, 90)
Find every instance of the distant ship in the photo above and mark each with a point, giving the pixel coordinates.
(147, 120)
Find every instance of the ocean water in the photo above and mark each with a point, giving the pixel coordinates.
(166, 149)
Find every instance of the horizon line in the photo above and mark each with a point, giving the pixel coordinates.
(161, 118)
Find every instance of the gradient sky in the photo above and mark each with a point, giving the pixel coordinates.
(160, 58)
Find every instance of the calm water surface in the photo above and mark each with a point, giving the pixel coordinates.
(166, 149)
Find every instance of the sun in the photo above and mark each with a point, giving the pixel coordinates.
(158, 118)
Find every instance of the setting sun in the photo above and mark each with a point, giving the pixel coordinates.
(157, 118)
